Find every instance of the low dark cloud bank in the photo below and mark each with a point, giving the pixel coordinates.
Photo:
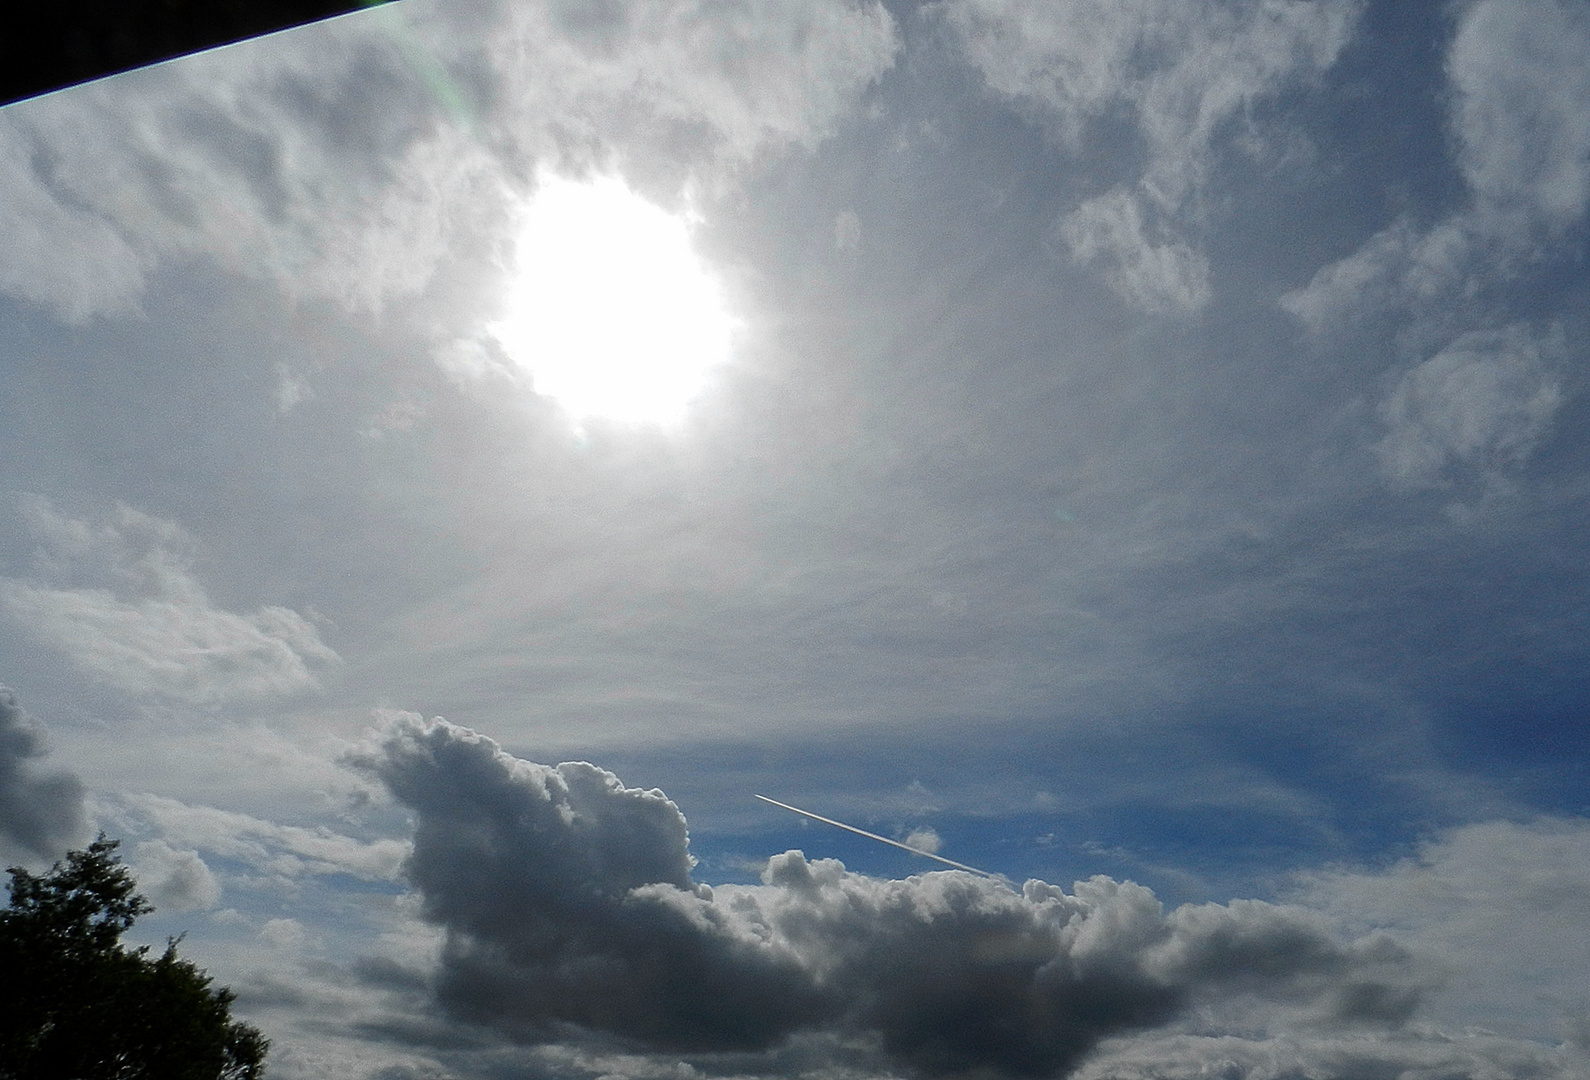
(568, 906)
(40, 812)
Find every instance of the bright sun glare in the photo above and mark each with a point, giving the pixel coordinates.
(611, 311)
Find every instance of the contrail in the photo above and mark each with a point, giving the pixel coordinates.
(881, 839)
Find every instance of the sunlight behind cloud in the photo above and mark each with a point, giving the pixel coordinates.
(611, 311)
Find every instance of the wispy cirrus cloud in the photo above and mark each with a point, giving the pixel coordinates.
(270, 847)
(1522, 106)
(132, 615)
(1184, 72)
(1520, 118)
(1483, 402)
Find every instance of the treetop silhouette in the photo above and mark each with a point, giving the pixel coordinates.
(75, 1003)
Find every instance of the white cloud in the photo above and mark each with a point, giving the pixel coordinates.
(1431, 271)
(1521, 117)
(352, 160)
(1418, 1054)
(1484, 401)
(57, 253)
(924, 839)
(283, 933)
(1523, 106)
(142, 623)
(1502, 906)
(1424, 266)
(292, 389)
(174, 879)
(1186, 70)
(272, 157)
(723, 80)
(287, 851)
(567, 899)
(1108, 233)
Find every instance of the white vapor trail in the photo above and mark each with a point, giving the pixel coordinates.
(880, 839)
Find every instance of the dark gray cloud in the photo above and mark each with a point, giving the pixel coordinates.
(569, 908)
(568, 899)
(41, 812)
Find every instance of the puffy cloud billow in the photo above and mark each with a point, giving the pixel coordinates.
(569, 910)
(41, 812)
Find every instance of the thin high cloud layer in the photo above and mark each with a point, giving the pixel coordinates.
(1521, 121)
(354, 160)
(570, 913)
(1184, 72)
(40, 812)
(130, 614)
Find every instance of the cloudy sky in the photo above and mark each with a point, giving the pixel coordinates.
(1139, 448)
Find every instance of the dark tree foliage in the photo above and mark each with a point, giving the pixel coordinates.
(75, 1004)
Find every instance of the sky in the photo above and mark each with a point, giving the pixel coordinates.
(454, 456)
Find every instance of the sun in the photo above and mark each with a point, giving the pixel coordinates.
(611, 311)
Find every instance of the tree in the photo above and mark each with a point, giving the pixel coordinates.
(75, 1004)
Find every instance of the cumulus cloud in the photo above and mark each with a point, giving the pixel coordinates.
(1521, 121)
(138, 620)
(174, 879)
(1183, 70)
(283, 933)
(41, 812)
(351, 160)
(568, 906)
(1484, 401)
